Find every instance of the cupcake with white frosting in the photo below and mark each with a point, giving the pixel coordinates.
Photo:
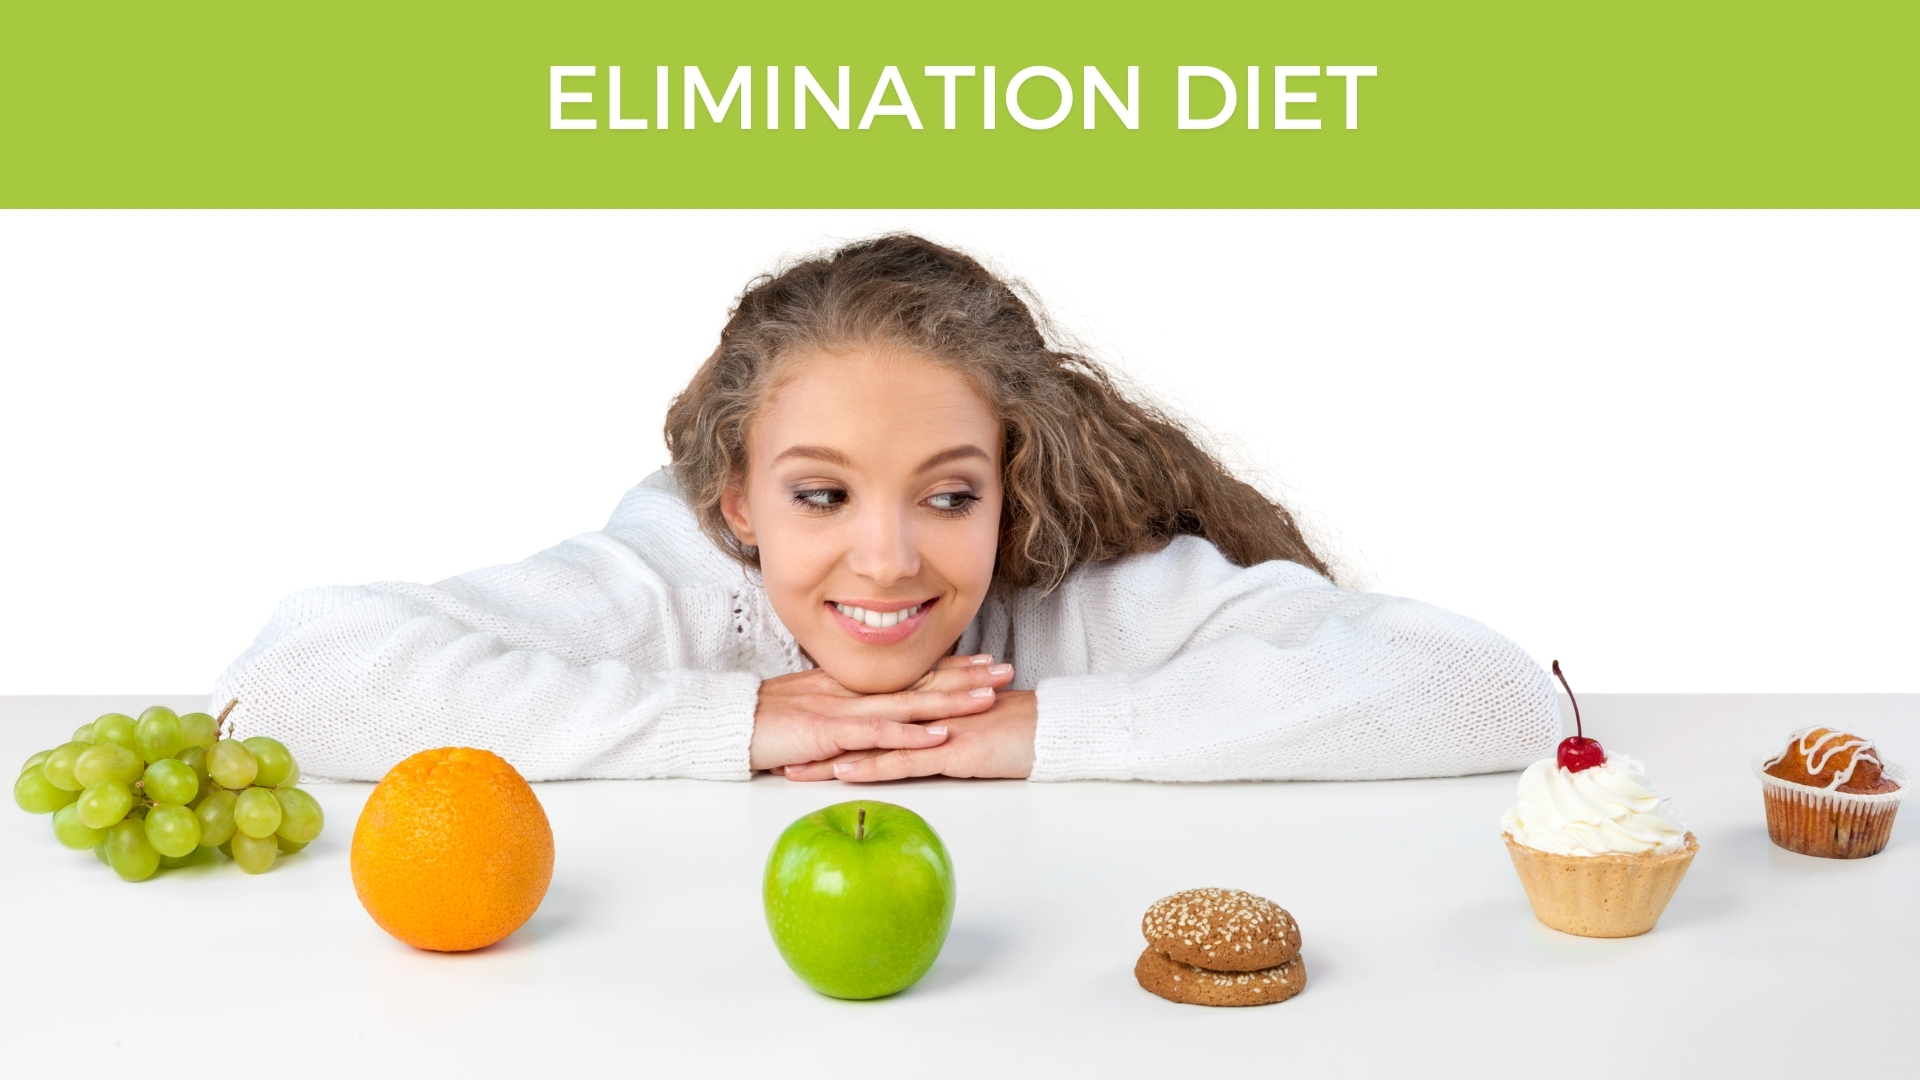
(1597, 849)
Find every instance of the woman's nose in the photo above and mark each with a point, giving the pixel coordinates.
(883, 549)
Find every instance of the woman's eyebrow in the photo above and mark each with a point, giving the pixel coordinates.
(954, 454)
(817, 453)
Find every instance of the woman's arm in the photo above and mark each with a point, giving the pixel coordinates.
(1195, 669)
(1180, 666)
(577, 662)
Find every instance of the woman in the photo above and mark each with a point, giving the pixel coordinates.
(901, 536)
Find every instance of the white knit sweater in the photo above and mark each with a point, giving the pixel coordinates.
(638, 651)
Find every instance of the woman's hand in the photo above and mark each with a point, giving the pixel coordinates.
(808, 717)
(998, 742)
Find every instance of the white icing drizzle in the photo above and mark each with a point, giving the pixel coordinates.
(1842, 742)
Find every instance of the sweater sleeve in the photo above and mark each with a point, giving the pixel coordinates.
(1180, 666)
(586, 660)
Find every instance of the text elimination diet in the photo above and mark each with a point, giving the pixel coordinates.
(1039, 98)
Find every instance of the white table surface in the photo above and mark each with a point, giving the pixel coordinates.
(650, 955)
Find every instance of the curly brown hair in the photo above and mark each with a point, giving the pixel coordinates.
(1089, 474)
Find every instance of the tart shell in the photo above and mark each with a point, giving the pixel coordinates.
(1603, 896)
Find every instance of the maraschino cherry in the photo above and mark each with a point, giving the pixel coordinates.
(1577, 752)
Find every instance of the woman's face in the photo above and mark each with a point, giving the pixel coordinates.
(873, 494)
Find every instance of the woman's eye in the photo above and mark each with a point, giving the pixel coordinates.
(820, 498)
(953, 502)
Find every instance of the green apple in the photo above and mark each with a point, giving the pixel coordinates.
(859, 897)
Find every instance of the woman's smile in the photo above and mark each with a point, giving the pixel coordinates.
(881, 622)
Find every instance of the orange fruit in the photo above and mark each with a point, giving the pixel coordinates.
(452, 851)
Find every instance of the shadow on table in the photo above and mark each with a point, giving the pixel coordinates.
(970, 950)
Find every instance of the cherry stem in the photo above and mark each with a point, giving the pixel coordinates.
(860, 826)
(1577, 729)
(220, 722)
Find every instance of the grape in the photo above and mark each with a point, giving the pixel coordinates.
(287, 847)
(108, 762)
(37, 759)
(199, 729)
(100, 851)
(115, 728)
(300, 815)
(231, 764)
(170, 781)
(74, 833)
(35, 794)
(173, 830)
(255, 855)
(175, 862)
(59, 765)
(257, 813)
(83, 733)
(227, 848)
(103, 804)
(195, 758)
(216, 818)
(274, 760)
(157, 735)
(129, 853)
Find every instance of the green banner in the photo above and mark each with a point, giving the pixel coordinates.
(972, 103)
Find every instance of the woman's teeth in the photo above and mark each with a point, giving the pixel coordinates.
(877, 620)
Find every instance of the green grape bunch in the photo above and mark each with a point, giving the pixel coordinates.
(147, 794)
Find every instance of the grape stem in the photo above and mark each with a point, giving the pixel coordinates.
(220, 722)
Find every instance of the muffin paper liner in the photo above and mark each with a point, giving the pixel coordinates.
(1829, 824)
(1602, 896)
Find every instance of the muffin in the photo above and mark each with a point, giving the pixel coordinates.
(1597, 850)
(1828, 794)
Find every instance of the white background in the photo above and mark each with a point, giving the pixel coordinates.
(1674, 450)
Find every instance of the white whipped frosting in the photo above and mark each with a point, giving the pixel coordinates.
(1605, 810)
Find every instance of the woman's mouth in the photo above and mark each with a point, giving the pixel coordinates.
(870, 625)
(877, 620)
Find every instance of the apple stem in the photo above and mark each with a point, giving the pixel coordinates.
(219, 723)
(1577, 729)
(860, 826)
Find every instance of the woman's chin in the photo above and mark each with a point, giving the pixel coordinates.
(875, 675)
(862, 679)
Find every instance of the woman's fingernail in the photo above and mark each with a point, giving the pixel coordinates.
(999, 669)
(985, 691)
(842, 768)
(936, 731)
(983, 658)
